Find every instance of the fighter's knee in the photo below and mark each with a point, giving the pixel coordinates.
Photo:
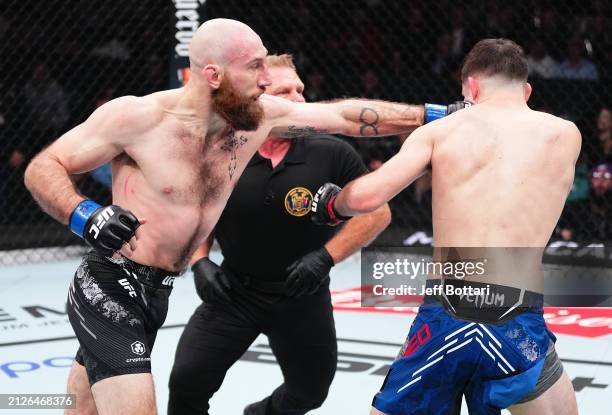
(78, 385)
(84, 402)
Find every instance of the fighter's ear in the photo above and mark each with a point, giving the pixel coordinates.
(213, 74)
(528, 90)
(474, 85)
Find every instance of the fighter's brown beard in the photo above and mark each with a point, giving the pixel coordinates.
(242, 113)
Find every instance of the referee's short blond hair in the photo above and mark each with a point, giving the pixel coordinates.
(285, 60)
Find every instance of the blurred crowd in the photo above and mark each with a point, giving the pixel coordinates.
(63, 62)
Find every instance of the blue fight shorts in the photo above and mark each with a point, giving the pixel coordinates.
(494, 365)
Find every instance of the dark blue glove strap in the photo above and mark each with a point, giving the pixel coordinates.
(79, 216)
(434, 112)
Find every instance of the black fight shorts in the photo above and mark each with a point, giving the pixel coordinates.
(115, 309)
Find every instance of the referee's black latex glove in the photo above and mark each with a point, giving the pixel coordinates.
(210, 281)
(308, 273)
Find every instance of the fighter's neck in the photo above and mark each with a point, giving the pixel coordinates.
(194, 107)
(503, 99)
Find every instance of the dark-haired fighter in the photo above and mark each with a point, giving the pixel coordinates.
(501, 174)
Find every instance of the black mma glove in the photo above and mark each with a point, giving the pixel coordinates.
(210, 281)
(308, 273)
(323, 212)
(435, 111)
(104, 228)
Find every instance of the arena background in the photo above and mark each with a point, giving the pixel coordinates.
(61, 59)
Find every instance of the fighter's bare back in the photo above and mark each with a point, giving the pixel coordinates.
(500, 179)
(498, 171)
(501, 174)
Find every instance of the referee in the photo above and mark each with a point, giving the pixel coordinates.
(275, 275)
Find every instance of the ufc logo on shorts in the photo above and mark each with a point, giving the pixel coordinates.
(169, 281)
(126, 284)
(101, 219)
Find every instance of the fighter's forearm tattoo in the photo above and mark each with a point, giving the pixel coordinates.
(369, 121)
(306, 131)
(232, 143)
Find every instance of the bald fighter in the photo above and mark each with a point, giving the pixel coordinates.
(501, 174)
(176, 155)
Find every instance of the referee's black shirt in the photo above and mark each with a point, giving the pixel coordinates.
(266, 224)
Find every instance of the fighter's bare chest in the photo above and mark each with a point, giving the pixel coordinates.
(191, 168)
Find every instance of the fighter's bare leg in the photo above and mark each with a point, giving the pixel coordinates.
(78, 384)
(131, 394)
(560, 399)
(375, 411)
